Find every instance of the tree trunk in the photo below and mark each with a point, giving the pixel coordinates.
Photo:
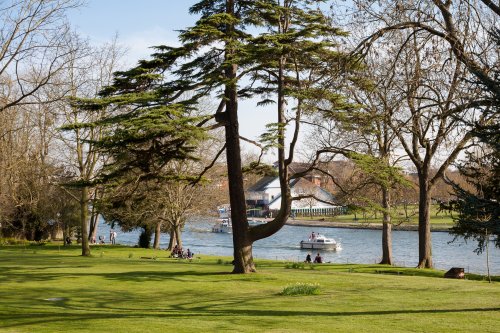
(243, 259)
(65, 233)
(156, 244)
(84, 200)
(94, 224)
(178, 237)
(386, 229)
(424, 226)
(172, 242)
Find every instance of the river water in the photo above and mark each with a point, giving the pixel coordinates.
(358, 246)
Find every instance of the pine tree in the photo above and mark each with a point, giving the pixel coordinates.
(479, 210)
(154, 124)
(293, 39)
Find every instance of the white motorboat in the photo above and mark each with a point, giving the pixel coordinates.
(223, 226)
(320, 242)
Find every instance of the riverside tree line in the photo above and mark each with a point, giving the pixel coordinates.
(385, 85)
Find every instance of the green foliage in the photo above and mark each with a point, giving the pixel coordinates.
(12, 241)
(271, 138)
(295, 265)
(379, 170)
(145, 238)
(299, 265)
(479, 210)
(152, 119)
(354, 209)
(149, 120)
(261, 169)
(37, 243)
(299, 289)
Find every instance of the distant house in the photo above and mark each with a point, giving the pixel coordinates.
(264, 197)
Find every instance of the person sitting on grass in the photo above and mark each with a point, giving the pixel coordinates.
(318, 259)
(308, 258)
(176, 252)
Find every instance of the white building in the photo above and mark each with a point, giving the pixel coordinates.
(265, 196)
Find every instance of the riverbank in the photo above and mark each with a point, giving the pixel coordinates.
(359, 225)
(362, 225)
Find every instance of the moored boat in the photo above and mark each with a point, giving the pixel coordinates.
(223, 226)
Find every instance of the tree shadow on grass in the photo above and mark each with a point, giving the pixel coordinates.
(45, 318)
(128, 276)
(139, 276)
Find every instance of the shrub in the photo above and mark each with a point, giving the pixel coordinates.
(12, 241)
(37, 243)
(301, 289)
(145, 238)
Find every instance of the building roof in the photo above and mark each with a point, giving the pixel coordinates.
(295, 184)
(261, 185)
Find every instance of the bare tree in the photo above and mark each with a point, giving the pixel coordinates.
(463, 25)
(439, 45)
(34, 48)
(90, 70)
(28, 172)
(430, 127)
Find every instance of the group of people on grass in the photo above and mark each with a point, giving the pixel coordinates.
(102, 238)
(178, 252)
(317, 260)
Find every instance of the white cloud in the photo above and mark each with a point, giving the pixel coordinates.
(139, 43)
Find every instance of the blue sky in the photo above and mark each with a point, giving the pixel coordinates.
(139, 24)
(142, 24)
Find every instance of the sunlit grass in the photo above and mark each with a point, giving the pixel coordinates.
(52, 288)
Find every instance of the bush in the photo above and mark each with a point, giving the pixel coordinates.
(12, 241)
(301, 289)
(37, 243)
(145, 238)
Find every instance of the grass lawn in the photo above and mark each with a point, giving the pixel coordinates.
(52, 289)
(441, 218)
